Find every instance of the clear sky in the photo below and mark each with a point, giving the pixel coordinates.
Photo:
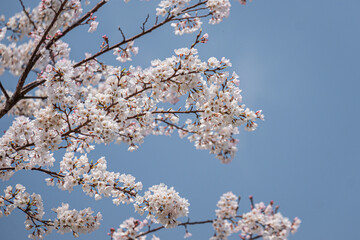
(299, 62)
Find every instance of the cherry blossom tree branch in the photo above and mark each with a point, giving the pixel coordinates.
(53, 174)
(20, 92)
(167, 112)
(80, 181)
(33, 219)
(174, 125)
(17, 96)
(75, 130)
(169, 18)
(78, 128)
(188, 223)
(181, 224)
(61, 176)
(164, 80)
(35, 56)
(27, 88)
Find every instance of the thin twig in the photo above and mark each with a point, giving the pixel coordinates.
(143, 25)
(166, 112)
(174, 125)
(122, 33)
(197, 39)
(4, 91)
(27, 14)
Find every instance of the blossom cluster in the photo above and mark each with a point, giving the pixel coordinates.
(34, 24)
(14, 143)
(265, 221)
(220, 9)
(187, 25)
(262, 221)
(124, 109)
(163, 203)
(76, 221)
(41, 17)
(66, 221)
(95, 180)
(31, 204)
(227, 206)
(130, 229)
(124, 55)
(227, 209)
(173, 7)
(188, 20)
(18, 198)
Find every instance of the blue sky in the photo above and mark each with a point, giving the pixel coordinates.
(300, 63)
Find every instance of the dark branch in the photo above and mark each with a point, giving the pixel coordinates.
(167, 112)
(31, 86)
(182, 224)
(53, 174)
(174, 125)
(34, 97)
(4, 91)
